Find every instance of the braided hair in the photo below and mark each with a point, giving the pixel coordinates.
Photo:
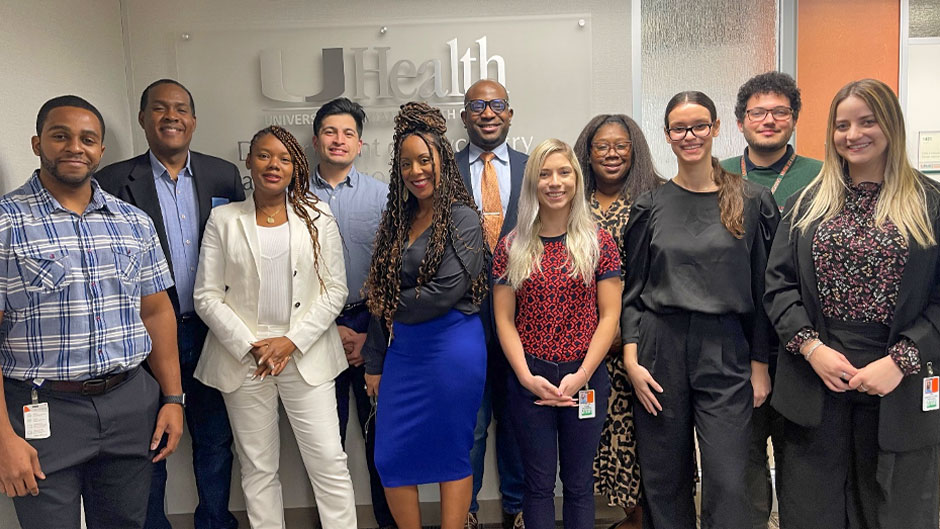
(298, 195)
(383, 284)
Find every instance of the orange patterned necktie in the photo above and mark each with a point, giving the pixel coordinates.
(492, 205)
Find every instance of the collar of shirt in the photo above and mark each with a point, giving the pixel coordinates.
(351, 180)
(775, 167)
(501, 153)
(159, 169)
(49, 204)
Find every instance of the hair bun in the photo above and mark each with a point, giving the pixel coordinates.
(420, 117)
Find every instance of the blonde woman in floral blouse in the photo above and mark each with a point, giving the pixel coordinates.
(617, 166)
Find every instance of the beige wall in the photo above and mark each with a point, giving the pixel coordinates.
(57, 47)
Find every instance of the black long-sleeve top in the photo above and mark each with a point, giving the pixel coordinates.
(449, 289)
(678, 256)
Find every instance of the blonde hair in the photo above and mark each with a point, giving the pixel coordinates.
(525, 246)
(903, 200)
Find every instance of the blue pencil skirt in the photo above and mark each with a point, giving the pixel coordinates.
(431, 388)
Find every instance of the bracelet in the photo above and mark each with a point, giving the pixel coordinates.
(581, 368)
(812, 349)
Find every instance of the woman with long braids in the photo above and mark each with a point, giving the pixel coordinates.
(853, 290)
(425, 343)
(618, 167)
(693, 325)
(270, 282)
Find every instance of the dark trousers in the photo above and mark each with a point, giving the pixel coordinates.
(703, 364)
(99, 452)
(211, 434)
(766, 423)
(508, 458)
(354, 377)
(836, 476)
(550, 438)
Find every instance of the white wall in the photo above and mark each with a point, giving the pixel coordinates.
(923, 78)
(50, 48)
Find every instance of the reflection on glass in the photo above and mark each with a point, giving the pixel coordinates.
(709, 46)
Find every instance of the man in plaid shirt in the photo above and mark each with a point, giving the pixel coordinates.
(82, 291)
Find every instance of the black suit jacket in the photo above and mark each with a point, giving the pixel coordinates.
(132, 181)
(517, 161)
(792, 302)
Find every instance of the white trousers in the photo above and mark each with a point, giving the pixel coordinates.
(253, 412)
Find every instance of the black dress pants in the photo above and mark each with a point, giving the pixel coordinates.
(98, 454)
(836, 476)
(703, 364)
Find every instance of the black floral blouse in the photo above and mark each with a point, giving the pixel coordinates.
(858, 270)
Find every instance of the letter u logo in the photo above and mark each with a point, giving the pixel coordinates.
(272, 77)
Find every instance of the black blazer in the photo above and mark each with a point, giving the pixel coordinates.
(132, 181)
(792, 302)
(517, 161)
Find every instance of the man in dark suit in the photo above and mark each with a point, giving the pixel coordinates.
(493, 172)
(178, 188)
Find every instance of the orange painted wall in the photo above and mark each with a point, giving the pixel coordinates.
(839, 41)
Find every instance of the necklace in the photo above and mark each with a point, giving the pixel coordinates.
(270, 216)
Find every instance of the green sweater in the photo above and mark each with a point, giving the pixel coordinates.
(798, 176)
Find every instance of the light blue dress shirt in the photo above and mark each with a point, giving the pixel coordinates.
(503, 173)
(181, 222)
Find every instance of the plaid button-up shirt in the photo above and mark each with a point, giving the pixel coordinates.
(70, 285)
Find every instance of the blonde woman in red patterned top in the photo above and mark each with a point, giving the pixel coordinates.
(557, 303)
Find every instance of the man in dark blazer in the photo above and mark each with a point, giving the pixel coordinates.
(487, 117)
(178, 188)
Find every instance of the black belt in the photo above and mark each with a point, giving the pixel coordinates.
(188, 317)
(353, 308)
(94, 386)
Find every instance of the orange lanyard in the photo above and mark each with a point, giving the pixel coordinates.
(783, 172)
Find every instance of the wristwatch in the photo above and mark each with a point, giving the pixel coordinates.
(173, 399)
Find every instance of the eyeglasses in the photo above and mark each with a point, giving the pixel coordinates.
(778, 113)
(698, 130)
(601, 149)
(477, 106)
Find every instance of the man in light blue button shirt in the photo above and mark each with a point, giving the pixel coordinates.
(357, 201)
(177, 188)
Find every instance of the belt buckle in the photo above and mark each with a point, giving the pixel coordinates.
(95, 386)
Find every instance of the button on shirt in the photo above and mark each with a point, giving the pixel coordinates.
(357, 204)
(181, 222)
(70, 285)
(503, 173)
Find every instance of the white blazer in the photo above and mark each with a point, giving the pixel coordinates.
(228, 286)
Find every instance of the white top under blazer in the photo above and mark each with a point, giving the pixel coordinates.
(228, 286)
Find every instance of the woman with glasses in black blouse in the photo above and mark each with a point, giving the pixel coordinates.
(693, 327)
(854, 293)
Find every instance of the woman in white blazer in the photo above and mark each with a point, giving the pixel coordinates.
(270, 283)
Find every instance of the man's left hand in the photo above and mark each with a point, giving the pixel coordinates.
(169, 422)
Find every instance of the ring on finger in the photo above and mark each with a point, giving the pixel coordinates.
(844, 376)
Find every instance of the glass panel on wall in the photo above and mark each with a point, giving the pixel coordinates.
(712, 47)
(925, 18)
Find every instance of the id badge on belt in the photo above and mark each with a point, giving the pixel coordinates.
(931, 397)
(36, 415)
(586, 404)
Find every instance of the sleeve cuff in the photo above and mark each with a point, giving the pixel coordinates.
(806, 334)
(906, 355)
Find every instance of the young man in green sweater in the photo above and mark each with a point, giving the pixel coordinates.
(767, 109)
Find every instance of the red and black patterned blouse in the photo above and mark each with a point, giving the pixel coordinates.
(556, 314)
(859, 268)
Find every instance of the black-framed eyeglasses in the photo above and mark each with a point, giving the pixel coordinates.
(778, 113)
(601, 149)
(699, 130)
(477, 106)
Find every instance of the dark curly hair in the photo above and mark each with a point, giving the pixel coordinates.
(383, 284)
(769, 83)
(302, 201)
(641, 176)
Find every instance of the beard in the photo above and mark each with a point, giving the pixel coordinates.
(767, 145)
(69, 180)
